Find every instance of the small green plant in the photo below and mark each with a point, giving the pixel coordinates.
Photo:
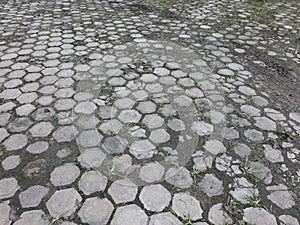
(55, 221)
(284, 133)
(255, 200)
(235, 203)
(241, 114)
(195, 172)
(88, 169)
(270, 141)
(247, 164)
(226, 223)
(55, 117)
(233, 144)
(206, 118)
(187, 220)
(202, 108)
(254, 178)
(115, 170)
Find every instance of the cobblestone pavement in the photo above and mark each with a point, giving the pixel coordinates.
(149, 112)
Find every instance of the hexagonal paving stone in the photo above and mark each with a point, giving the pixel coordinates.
(183, 101)
(20, 124)
(123, 191)
(116, 81)
(153, 121)
(265, 123)
(124, 103)
(15, 142)
(273, 155)
(186, 205)
(217, 215)
(32, 196)
(3, 134)
(91, 182)
(211, 185)
(146, 107)
(85, 108)
(282, 199)
(161, 71)
(129, 116)
(287, 219)
(295, 116)
(63, 202)
(115, 145)
(254, 135)
(176, 125)
(65, 134)
(96, 211)
(4, 118)
(43, 113)
(38, 147)
(111, 127)
(10, 94)
(91, 158)
(11, 162)
(107, 112)
(142, 149)
(4, 215)
(155, 197)
(42, 129)
(214, 147)
(64, 175)
(179, 177)
(258, 216)
(242, 150)
(244, 190)
(202, 128)
(33, 217)
(129, 215)
(152, 172)
(89, 138)
(8, 187)
(165, 218)
(86, 121)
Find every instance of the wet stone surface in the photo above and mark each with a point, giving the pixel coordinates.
(149, 112)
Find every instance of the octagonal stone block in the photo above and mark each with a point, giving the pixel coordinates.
(33, 217)
(32, 196)
(42, 129)
(186, 205)
(91, 158)
(63, 202)
(155, 197)
(91, 182)
(8, 187)
(129, 215)
(96, 211)
(123, 191)
(89, 138)
(64, 175)
(165, 218)
(129, 116)
(65, 134)
(142, 149)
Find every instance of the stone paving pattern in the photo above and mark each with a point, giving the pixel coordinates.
(146, 112)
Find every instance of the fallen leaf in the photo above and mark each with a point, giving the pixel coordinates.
(13, 214)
